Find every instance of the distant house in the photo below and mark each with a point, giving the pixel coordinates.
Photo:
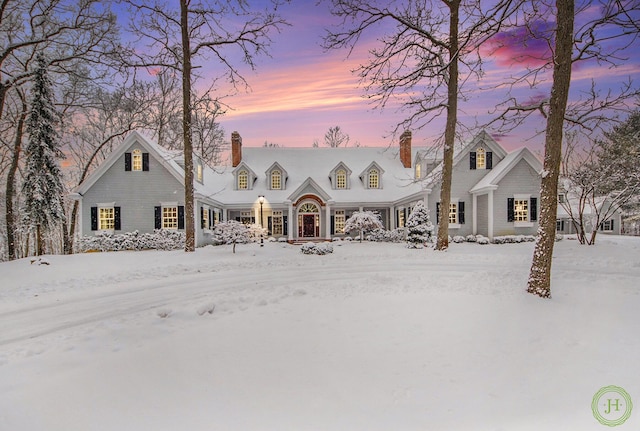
(308, 193)
(568, 207)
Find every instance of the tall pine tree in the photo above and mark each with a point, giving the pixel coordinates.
(419, 226)
(42, 187)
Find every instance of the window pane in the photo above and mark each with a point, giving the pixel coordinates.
(453, 213)
(107, 219)
(136, 160)
(480, 158)
(275, 180)
(521, 209)
(373, 179)
(170, 217)
(341, 179)
(243, 180)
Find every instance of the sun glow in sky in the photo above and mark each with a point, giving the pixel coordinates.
(301, 91)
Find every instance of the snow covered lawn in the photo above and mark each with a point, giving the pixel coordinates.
(371, 337)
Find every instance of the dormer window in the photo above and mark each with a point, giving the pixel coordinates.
(341, 179)
(418, 171)
(136, 160)
(199, 173)
(243, 180)
(374, 179)
(480, 159)
(276, 180)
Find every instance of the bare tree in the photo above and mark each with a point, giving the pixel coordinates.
(199, 30)
(420, 60)
(335, 137)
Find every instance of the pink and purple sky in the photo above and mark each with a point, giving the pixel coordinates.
(301, 91)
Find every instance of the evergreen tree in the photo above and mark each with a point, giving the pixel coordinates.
(42, 187)
(419, 226)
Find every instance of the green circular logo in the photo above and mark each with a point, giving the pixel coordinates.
(611, 406)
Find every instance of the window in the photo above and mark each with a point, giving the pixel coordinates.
(401, 217)
(243, 180)
(374, 179)
(561, 198)
(339, 220)
(205, 218)
(106, 218)
(170, 217)
(277, 223)
(453, 213)
(199, 172)
(559, 225)
(341, 179)
(418, 171)
(607, 226)
(276, 180)
(246, 218)
(521, 210)
(480, 159)
(136, 160)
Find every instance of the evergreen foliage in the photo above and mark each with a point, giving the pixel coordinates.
(419, 226)
(42, 188)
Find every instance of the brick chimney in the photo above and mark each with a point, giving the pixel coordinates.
(405, 148)
(236, 149)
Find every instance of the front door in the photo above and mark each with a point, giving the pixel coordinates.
(308, 225)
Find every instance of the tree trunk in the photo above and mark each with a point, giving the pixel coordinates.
(450, 129)
(11, 180)
(540, 275)
(39, 244)
(190, 243)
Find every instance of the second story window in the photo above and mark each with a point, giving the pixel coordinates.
(481, 161)
(276, 180)
(136, 160)
(374, 179)
(243, 180)
(418, 171)
(341, 179)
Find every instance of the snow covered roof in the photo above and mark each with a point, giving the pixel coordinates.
(302, 164)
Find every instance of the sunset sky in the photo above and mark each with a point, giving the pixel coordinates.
(301, 91)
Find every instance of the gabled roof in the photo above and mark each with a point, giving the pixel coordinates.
(277, 166)
(481, 139)
(309, 183)
(343, 166)
(372, 165)
(495, 175)
(167, 158)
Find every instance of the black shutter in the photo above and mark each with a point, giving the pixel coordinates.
(397, 218)
(94, 218)
(404, 212)
(145, 161)
(116, 218)
(534, 209)
(180, 217)
(269, 225)
(510, 210)
(461, 212)
(253, 220)
(489, 160)
(237, 218)
(333, 225)
(212, 218)
(611, 224)
(437, 212)
(472, 160)
(158, 217)
(202, 225)
(285, 225)
(127, 161)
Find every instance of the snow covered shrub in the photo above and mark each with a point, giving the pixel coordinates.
(471, 238)
(383, 235)
(159, 240)
(313, 248)
(232, 232)
(362, 222)
(482, 240)
(256, 232)
(282, 239)
(559, 237)
(459, 239)
(419, 226)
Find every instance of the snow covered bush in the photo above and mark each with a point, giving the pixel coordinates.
(159, 240)
(313, 248)
(256, 232)
(471, 238)
(232, 232)
(459, 239)
(383, 235)
(482, 240)
(419, 226)
(513, 239)
(363, 221)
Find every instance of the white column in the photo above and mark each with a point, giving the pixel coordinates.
(290, 221)
(490, 214)
(392, 217)
(474, 215)
(327, 222)
(256, 212)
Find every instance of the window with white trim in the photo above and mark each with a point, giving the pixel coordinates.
(205, 217)
(243, 180)
(453, 213)
(170, 217)
(277, 223)
(338, 221)
(481, 160)
(418, 171)
(136, 160)
(276, 180)
(607, 225)
(199, 173)
(561, 198)
(106, 218)
(520, 210)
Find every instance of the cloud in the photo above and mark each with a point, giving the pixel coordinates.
(526, 46)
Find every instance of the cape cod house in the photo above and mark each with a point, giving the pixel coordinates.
(308, 193)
